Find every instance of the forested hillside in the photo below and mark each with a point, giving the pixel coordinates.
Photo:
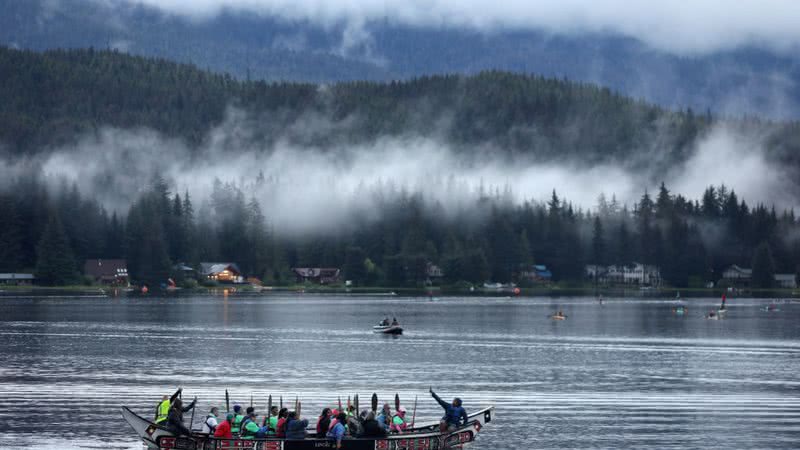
(51, 98)
(740, 81)
(55, 98)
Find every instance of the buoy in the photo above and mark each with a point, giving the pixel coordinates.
(516, 291)
(144, 289)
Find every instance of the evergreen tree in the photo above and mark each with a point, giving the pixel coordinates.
(354, 268)
(55, 264)
(598, 242)
(10, 235)
(763, 267)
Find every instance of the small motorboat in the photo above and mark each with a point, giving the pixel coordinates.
(388, 329)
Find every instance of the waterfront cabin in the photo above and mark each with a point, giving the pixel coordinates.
(636, 274)
(786, 280)
(112, 272)
(317, 275)
(737, 276)
(225, 272)
(16, 279)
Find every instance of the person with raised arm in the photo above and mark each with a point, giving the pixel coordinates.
(454, 413)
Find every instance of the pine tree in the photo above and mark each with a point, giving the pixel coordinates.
(598, 242)
(10, 235)
(55, 264)
(763, 267)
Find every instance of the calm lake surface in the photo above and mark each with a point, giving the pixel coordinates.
(627, 374)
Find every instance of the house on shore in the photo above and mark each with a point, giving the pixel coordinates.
(786, 280)
(636, 274)
(737, 276)
(17, 279)
(537, 273)
(317, 275)
(107, 271)
(225, 272)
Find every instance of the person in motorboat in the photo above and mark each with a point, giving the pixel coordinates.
(250, 428)
(223, 430)
(337, 431)
(211, 422)
(384, 322)
(324, 423)
(399, 421)
(385, 417)
(454, 413)
(280, 427)
(394, 322)
(238, 417)
(295, 427)
(371, 428)
(175, 418)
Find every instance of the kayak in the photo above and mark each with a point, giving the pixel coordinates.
(557, 317)
(387, 329)
(156, 437)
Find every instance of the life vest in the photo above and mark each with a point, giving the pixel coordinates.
(245, 433)
(236, 426)
(209, 416)
(162, 411)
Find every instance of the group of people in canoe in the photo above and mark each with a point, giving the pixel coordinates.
(281, 423)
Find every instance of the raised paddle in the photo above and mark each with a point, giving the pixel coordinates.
(269, 413)
(227, 401)
(397, 402)
(194, 407)
(296, 403)
(414, 416)
(374, 402)
(281, 402)
(251, 399)
(340, 403)
(356, 404)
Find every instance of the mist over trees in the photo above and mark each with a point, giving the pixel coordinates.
(53, 98)
(494, 239)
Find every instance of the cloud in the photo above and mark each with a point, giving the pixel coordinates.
(678, 26)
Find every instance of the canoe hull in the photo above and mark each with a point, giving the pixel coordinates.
(427, 437)
(391, 329)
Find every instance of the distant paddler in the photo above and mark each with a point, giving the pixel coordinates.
(558, 316)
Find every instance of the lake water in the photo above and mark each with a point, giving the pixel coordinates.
(627, 374)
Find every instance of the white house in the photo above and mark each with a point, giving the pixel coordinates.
(786, 280)
(635, 274)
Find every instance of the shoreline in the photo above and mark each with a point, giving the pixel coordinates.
(390, 292)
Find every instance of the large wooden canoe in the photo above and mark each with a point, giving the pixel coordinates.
(427, 437)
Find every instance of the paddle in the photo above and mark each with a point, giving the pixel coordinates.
(356, 403)
(194, 407)
(227, 401)
(397, 402)
(251, 399)
(296, 403)
(269, 413)
(340, 403)
(414, 416)
(374, 402)
(281, 402)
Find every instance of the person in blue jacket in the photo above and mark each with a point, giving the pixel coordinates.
(453, 413)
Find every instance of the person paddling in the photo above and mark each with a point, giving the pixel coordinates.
(399, 421)
(211, 422)
(250, 428)
(162, 410)
(324, 423)
(453, 413)
(175, 418)
(223, 430)
(337, 431)
(238, 417)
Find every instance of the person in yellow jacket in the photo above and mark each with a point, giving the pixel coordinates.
(162, 410)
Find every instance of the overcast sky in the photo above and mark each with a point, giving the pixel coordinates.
(679, 26)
